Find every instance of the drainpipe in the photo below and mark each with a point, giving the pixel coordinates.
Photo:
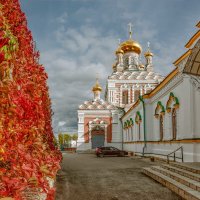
(122, 134)
(122, 110)
(144, 114)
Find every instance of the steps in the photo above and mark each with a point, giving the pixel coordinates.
(182, 179)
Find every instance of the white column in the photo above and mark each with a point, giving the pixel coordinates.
(129, 95)
(120, 96)
(141, 90)
(178, 135)
(170, 125)
(90, 136)
(133, 91)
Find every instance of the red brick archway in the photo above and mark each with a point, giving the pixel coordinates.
(97, 137)
(108, 130)
(98, 132)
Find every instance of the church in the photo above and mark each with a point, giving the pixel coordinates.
(144, 112)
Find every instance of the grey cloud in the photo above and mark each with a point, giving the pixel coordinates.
(82, 41)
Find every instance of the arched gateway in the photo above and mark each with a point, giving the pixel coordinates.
(97, 137)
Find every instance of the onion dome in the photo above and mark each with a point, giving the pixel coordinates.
(148, 53)
(118, 51)
(131, 45)
(97, 87)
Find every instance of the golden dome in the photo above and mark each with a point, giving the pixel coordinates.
(131, 45)
(119, 50)
(148, 53)
(97, 87)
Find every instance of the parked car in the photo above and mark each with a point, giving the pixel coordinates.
(109, 151)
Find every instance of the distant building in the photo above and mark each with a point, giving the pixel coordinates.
(98, 123)
(98, 120)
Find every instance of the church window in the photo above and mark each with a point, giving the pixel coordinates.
(161, 127)
(138, 120)
(174, 124)
(171, 107)
(126, 62)
(139, 131)
(125, 97)
(136, 95)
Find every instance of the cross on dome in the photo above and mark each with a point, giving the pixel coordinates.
(148, 45)
(97, 76)
(148, 53)
(130, 30)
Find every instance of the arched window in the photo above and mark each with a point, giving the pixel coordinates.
(161, 127)
(139, 131)
(138, 120)
(136, 95)
(174, 124)
(159, 114)
(125, 97)
(126, 61)
(171, 107)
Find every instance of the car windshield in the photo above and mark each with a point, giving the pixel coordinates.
(114, 149)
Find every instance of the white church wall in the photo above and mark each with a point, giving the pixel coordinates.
(156, 132)
(185, 111)
(196, 111)
(133, 132)
(183, 97)
(191, 151)
(188, 125)
(116, 133)
(149, 122)
(80, 128)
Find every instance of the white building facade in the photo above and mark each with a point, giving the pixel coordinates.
(144, 112)
(131, 78)
(98, 123)
(168, 117)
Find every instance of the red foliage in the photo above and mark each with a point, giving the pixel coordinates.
(27, 152)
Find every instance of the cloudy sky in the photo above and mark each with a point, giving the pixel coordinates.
(77, 39)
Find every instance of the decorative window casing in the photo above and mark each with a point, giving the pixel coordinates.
(138, 120)
(173, 102)
(159, 114)
(125, 97)
(172, 106)
(136, 95)
(174, 123)
(128, 129)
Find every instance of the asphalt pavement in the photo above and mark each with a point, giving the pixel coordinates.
(86, 177)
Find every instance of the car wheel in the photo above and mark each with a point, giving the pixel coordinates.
(101, 155)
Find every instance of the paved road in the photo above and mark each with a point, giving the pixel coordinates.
(85, 177)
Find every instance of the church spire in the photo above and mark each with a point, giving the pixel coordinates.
(149, 55)
(97, 90)
(130, 30)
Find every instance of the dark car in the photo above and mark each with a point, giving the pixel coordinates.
(109, 151)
